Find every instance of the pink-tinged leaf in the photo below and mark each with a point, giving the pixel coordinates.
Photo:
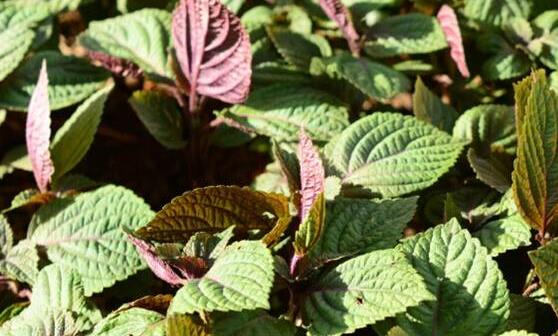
(337, 12)
(213, 51)
(160, 268)
(448, 21)
(312, 174)
(117, 66)
(37, 132)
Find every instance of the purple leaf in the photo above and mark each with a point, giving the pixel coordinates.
(337, 12)
(117, 66)
(37, 132)
(160, 267)
(312, 175)
(448, 20)
(213, 51)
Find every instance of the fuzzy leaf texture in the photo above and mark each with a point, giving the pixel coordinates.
(280, 110)
(141, 37)
(240, 279)
(413, 33)
(471, 296)
(545, 260)
(131, 322)
(71, 80)
(390, 155)
(450, 26)
(37, 132)
(312, 174)
(428, 107)
(337, 12)
(356, 226)
(213, 209)
(87, 235)
(361, 291)
(213, 51)
(535, 175)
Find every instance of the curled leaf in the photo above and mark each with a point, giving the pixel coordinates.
(337, 12)
(160, 268)
(37, 132)
(213, 51)
(448, 21)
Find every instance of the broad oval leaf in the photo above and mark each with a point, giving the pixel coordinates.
(337, 12)
(496, 12)
(298, 49)
(361, 291)
(450, 26)
(213, 209)
(213, 51)
(142, 37)
(71, 80)
(240, 279)
(180, 325)
(413, 33)
(15, 44)
(279, 111)
(373, 79)
(72, 141)
(536, 167)
(391, 155)
(37, 132)
(86, 234)
(356, 226)
(21, 262)
(251, 323)
(501, 235)
(471, 296)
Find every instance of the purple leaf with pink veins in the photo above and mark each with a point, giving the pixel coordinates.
(337, 12)
(450, 26)
(37, 132)
(213, 51)
(312, 174)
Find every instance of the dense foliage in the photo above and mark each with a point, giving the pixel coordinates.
(303, 185)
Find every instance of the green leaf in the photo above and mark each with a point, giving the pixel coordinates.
(413, 33)
(518, 333)
(536, 167)
(6, 236)
(180, 325)
(142, 37)
(356, 226)
(504, 234)
(60, 287)
(361, 291)
(272, 180)
(310, 230)
(471, 294)
(279, 111)
(161, 116)
(240, 279)
(299, 49)
(11, 311)
(86, 234)
(522, 313)
(506, 65)
(15, 158)
(71, 80)
(21, 262)
(391, 155)
(413, 67)
(57, 293)
(15, 42)
(373, 79)
(545, 260)
(251, 323)
(496, 12)
(213, 209)
(429, 108)
(131, 322)
(73, 139)
(494, 169)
